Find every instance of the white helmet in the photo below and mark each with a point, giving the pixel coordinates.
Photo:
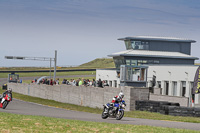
(121, 94)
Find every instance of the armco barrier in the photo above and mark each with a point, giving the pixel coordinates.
(81, 95)
(167, 108)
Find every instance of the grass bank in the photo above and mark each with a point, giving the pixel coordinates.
(25, 124)
(133, 114)
(36, 74)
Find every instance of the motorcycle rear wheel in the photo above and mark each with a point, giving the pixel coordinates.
(5, 103)
(120, 115)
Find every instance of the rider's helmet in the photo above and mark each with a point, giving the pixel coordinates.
(9, 90)
(121, 95)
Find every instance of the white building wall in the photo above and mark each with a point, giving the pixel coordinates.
(163, 74)
(109, 75)
(171, 74)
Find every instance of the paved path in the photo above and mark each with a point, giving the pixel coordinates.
(27, 108)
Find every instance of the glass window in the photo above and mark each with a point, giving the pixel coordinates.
(174, 88)
(156, 62)
(166, 87)
(115, 83)
(183, 88)
(136, 74)
(150, 61)
(144, 62)
(140, 45)
(128, 74)
(136, 44)
(143, 74)
(134, 62)
(110, 83)
(128, 62)
(159, 84)
(139, 62)
(128, 45)
(118, 62)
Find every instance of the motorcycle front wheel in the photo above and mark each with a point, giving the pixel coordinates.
(104, 115)
(120, 115)
(5, 103)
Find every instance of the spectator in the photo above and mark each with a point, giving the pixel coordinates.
(77, 82)
(105, 83)
(94, 83)
(51, 82)
(80, 82)
(100, 83)
(67, 82)
(57, 81)
(90, 83)
(64, 81)
(74, 82)
(47, 82)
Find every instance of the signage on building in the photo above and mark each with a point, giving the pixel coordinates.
(196, 87)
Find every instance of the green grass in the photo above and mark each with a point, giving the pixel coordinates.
(133, 114)
(96, 63)
(36, 74)
(100, 63)
(15, 123)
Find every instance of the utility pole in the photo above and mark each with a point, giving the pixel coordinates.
(38, 59)
(55, 61)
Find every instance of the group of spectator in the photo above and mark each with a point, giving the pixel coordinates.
(47, 82)
(85, 82)
(79, 82)
(73, 82)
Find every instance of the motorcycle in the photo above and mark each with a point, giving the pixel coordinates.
(114, 111)
(7, 98)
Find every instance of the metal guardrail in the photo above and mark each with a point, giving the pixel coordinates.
(28, 71)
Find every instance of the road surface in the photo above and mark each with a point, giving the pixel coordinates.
(27, 108)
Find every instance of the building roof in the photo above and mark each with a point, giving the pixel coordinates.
(149, 38)
(147, 53)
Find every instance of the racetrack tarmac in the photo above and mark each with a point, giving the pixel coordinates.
(27, 108)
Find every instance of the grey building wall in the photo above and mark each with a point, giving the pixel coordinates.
(91, 96)
(183, 47)
(81, 95)
(183, 101)
(135, 84)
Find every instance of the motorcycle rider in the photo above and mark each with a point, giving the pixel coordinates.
(116, 99)
(9, 90)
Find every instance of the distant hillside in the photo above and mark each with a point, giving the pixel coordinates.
(97, 63)
(100, 63)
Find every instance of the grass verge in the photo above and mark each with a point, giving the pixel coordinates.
(133, 114)
(25, 124)
(36, 74)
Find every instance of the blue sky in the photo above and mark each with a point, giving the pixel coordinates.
(82, 30)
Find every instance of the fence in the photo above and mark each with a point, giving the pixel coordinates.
(167, 108)
(81, 95)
